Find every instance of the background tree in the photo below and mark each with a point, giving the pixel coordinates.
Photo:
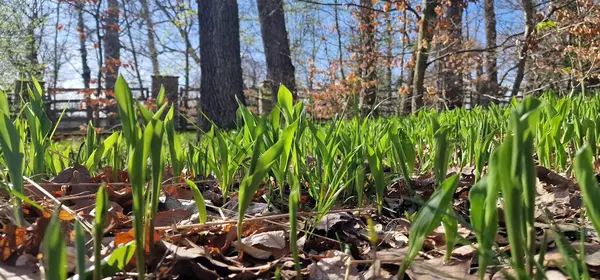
(490, 40)
(112, 45)
(280, 69)
(424, 39)
(147, 17)
(528, 12)
(452, 74)
(221, 68)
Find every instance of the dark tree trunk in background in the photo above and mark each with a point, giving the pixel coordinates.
(112, 46)
(368, 72)
(280, 69)
(146, 16)
(451, 73)
(423, 45)
(221, 63)
(527, 40)
(490, 39)
(86, 73)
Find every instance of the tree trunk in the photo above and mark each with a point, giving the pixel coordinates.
(86, 74)
(490, 39)
(452, 75)
(527, 40)
(221, 63)
(339, 39)
(132, 44)
(32, 52)
(368, 57)
(280, 69)
(112, 45)
(146, 16)
(423, 44)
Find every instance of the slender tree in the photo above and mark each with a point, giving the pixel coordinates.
(280, 69)
(86, 73)
(490, 39)
(528, 12)
(147, 17)
(422, 48)
(221, 65)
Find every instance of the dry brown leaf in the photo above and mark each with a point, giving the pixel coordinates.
(183, 252)
(333, 268)
(330, 220)
(464, 251)
(252, 251)
(555, 275)
(436, 269)
(171, 217)
(271, 239)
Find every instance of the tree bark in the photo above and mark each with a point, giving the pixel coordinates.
(112, 45)
(490, 39)
(86, 73)
(527, 40)
(221, 63)
(451, 75)
(146, 16)
(423, 43)
(280, 69)
(368, 57)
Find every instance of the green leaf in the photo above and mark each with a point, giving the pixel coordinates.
(199, 199)
(101, 152)
(429, 217)
(101, 211)
(377, 172)
(175, 149)
(161, 96)
(586, 178)
(115, 262)
(12, 151)
(80, 249)
(259, 167)
(126, 111)
(4, 106)
(285, 100)
(55, 253)
(146, 114)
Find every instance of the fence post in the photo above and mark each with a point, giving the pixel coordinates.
(171, 85)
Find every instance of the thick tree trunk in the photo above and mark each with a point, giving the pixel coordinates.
(146, 16)
(280, 69)
(112, 45)
(221, 63)
(490, 39)
(527, 40)
(423, 44)
(368, 57)
(452, 75)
